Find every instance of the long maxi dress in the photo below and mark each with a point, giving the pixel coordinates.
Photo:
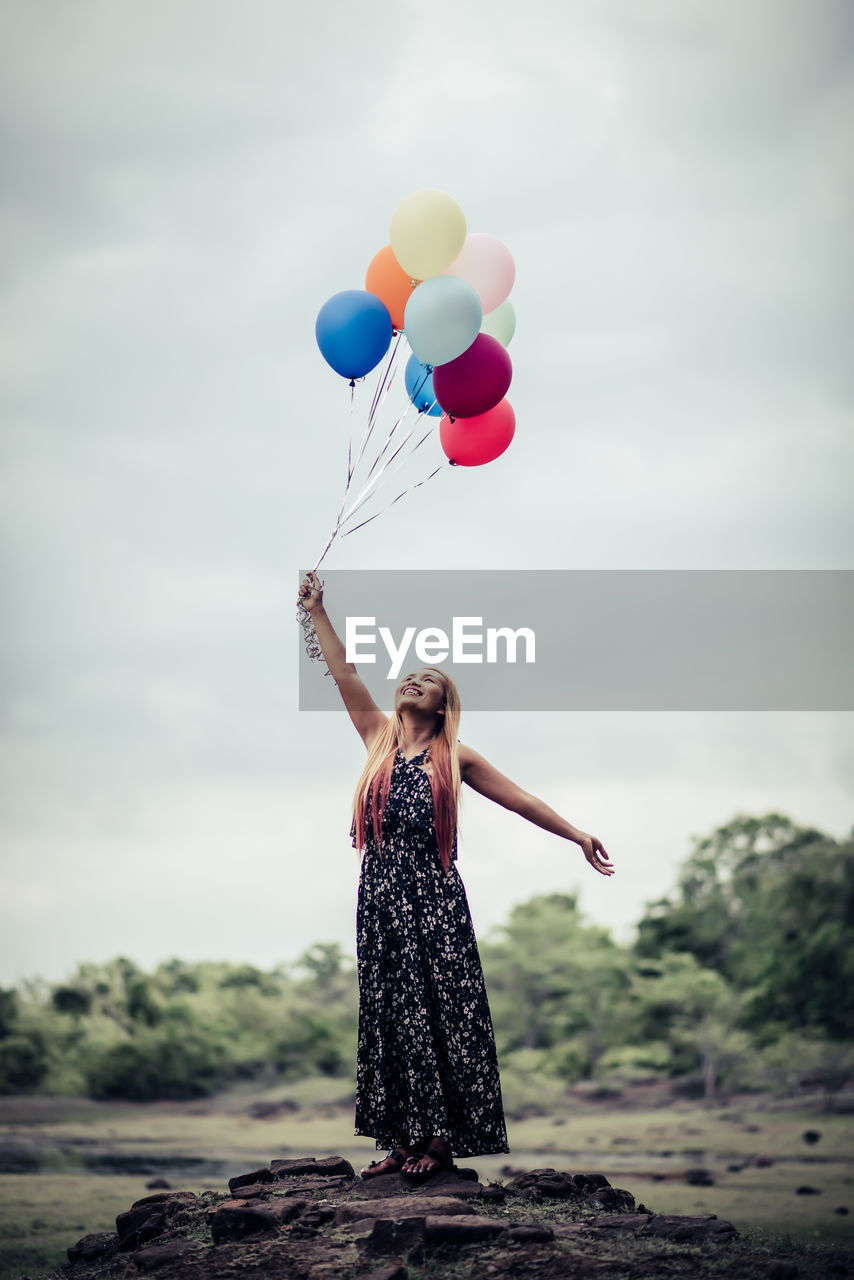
(426, 1060)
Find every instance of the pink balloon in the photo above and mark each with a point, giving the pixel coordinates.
(470, 442)
(487, 265)
(475, 381)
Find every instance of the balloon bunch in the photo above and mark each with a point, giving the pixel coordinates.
(446, 292)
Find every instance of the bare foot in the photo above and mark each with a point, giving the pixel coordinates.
(435, 1158)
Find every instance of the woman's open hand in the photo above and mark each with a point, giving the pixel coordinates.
(310, 592)
(595, 854)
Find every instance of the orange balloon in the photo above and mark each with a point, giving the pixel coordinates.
(387, 279)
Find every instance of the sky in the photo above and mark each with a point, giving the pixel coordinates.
(186, 183)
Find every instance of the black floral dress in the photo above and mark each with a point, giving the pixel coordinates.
(426, 1061)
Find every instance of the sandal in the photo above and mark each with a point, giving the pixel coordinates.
(442, 1162)
(397, 1156)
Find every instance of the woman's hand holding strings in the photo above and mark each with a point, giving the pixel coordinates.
(311, 592)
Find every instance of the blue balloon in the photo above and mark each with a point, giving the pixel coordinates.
(353, 332)
(419, 387)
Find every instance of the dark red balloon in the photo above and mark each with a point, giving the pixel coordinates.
(476, 380)
(469, 442)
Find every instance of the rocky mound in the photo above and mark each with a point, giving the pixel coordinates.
(309, 1219)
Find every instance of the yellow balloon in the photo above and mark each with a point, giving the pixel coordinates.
(428, 230)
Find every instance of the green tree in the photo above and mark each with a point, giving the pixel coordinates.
(555, 981)
(770, 906)
(8, 1011)
(694, 1011)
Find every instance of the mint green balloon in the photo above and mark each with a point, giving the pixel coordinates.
(500, 323)
(441, 319)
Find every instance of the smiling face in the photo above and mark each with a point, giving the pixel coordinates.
(424, 689)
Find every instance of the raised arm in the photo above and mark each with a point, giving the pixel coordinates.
(483, 777)
(363, 711)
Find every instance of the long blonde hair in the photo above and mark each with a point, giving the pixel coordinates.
(373, 786)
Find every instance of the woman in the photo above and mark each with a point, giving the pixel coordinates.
(427, 1071)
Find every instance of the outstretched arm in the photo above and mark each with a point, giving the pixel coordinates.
(363, 711)
(485, 778)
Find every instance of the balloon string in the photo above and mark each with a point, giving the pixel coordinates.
(351, 465)
(366, 493)
(401, 420)
(380, 393)
(381, 381)
(347, 532)
(368, 490)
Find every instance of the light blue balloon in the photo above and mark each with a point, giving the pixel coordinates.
(442, 319)
(353, 331)
(419, 388)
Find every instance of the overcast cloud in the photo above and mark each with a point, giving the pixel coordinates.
(186, 184)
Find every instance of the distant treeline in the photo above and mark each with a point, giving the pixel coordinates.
(742, 978)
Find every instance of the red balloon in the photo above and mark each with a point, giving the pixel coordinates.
(476, 380)
(469, 442)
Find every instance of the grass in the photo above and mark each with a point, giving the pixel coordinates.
(41, 1215)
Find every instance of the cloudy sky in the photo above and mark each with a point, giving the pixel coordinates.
(186, 182)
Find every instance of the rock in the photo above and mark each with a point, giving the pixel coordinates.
(99, 1244)
(811, 1136)
(398, 1207)
(330, 1167)
(452, 1182)
(462, 1230)
(234, 1219)
(253, 1190)
(843, 1210)
(446, 1183)
(302, 1186)
(763, 1162)
(590, 1181)
(493, 1195)
(699, 1178)
(159, 1184)
(403, 1235)
(398, 1272)
(549, 1182)
(532, 1194)
(619, 1222)
(147, 1218)
(250, 1179)
(807, 1191)
(165, 1199)
(362, 1227)
(780, 1269)
(164, 1255)
(303, 1231)
(524, 1180)
(147, 1228)
(569, 1228)
(611, 1198)
(319, 1216)
(530, 1233)
(687, 1230)
(559, 1186)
